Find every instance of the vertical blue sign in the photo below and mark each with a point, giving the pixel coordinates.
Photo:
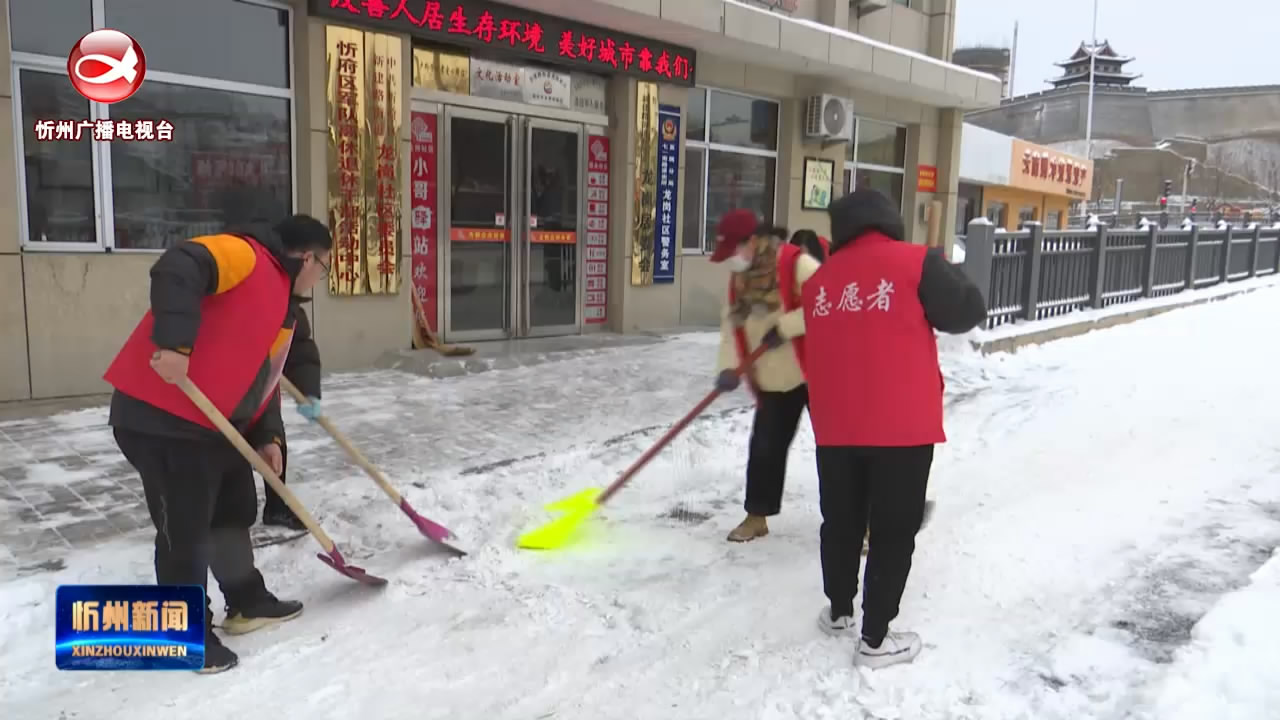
(129, 627)
(664, 247)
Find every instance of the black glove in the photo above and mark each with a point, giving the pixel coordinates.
(727, 381)
(773, 339)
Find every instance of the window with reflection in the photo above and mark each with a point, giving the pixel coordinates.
(731, 158)
(877, 158)
(203, 145)
(228, 164)
(57, 173)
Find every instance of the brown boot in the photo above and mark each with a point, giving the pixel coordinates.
(753, 527)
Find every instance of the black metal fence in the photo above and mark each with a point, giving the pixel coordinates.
(1036, 274)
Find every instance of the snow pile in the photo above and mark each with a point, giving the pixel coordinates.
(1231, 669)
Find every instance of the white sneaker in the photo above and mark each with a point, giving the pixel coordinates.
(843, 626)
(898, 647)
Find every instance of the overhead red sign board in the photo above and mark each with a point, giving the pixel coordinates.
(521, 33)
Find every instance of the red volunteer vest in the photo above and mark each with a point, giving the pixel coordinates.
(237, 330)
(787, 257)
(873, 368)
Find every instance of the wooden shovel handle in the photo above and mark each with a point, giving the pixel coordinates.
(351, 450)
(676, 429)
(220, 421)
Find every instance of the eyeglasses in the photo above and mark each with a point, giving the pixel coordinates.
(322, 263)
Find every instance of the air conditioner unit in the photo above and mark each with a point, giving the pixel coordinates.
(829, 117)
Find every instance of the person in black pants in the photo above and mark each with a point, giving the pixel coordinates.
(876, 406)
(763, 308)
(219, 318)
(302, 368)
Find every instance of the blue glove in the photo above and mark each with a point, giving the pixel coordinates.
(773, 339)
(727, 381)
(311, 409)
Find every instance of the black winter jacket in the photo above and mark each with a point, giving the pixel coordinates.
(952, 302)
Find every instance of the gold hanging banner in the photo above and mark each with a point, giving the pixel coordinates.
(646, 182)
(383, 167)
(345, 89)
(441, 70)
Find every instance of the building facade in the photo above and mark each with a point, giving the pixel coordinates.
(1223, 141)
(1012, 182)
(523, 169)
(987, 59)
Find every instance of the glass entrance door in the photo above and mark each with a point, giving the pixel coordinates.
(480, 190)
(514, 219)
(553, 181)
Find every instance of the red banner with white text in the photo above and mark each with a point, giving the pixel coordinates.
(422, 227)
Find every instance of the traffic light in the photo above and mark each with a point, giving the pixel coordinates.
(1168, 188)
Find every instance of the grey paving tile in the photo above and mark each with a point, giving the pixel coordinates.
(84, 491)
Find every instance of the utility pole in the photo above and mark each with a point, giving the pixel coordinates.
(1093, 66)
(1013, 59)
(1186, 173)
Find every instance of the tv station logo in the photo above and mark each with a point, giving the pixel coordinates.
(106, 66)
(129, 627)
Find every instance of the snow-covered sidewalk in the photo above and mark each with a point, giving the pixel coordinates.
(1098, 496)
(1223, 674)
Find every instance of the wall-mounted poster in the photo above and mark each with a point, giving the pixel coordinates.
(819, 179)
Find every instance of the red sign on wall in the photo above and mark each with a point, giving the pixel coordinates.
(926, 178)
(516, 31)
(422, 206)
(596, 297)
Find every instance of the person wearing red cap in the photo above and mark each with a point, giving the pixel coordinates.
(876, 406)
(766, 276)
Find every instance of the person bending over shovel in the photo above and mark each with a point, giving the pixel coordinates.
(220, 318)
(766, 276)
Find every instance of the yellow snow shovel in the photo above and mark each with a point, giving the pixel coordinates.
(576, 508)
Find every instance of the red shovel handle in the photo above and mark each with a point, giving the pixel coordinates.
(675, 430)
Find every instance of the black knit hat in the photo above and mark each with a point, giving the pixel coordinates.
(808, 240)
(303, 233)
(860, 212)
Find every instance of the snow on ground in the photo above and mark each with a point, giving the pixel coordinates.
(1099, 495)
(1215, 677)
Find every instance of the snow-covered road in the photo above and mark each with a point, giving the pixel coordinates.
(1099, 495)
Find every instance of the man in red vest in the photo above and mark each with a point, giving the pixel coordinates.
(875, 401)
(766, 274)
(220, 315)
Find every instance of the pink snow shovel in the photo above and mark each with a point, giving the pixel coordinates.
(578, 507)
(331, 555)
(435, 532)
